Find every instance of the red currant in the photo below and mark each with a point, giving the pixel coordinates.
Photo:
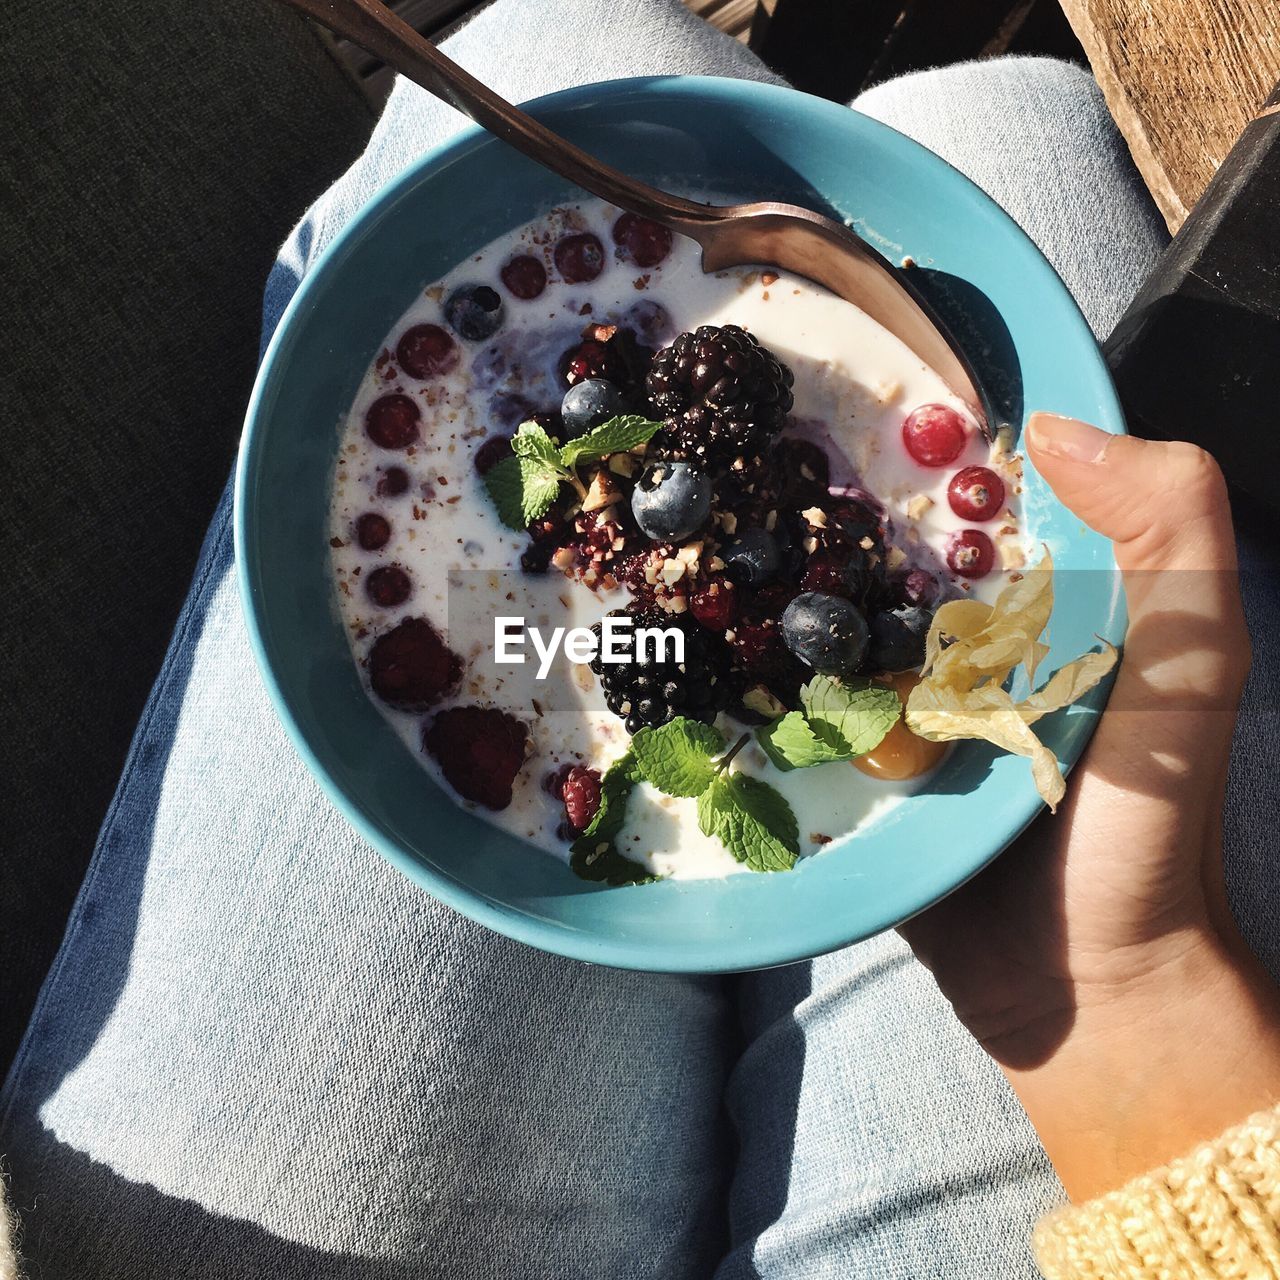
(426, 351)
(715, 605)
(935, 435)
(392, 421)
(646, 243)
(579, 257)
(392, 482)
(976, 493)
(388, 586)
(525, 276)
(970, 553)
(373, 531)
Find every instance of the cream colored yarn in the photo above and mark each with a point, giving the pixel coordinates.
(1213, 1215)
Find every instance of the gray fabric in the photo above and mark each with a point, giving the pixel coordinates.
(153, 155)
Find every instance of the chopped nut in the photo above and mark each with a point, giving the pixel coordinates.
(651, 572)
(1012, 556)
(622, 464)
(760, 700)
(919, 505)
(771, 521)
(715, 564)
(563, 558)
(728, 522)
(601, 492)
(690, 554)
(672, 572)
(618, 544)
(677, 604)
(816, 517)
(768, 277)
(867, 544)
(810, 545)
(895, 559)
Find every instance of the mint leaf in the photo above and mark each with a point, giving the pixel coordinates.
(752, 820)
(593, 854)
(615, 436)
(790, 743)
(532, 441)
(539, 488)
(850, 719)
(506, 491)
(677, 757)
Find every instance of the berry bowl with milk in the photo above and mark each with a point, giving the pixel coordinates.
(633, 610)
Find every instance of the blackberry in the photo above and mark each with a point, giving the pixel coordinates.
(643, 691)
(722, 395)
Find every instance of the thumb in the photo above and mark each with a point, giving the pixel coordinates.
(1164, 506)
(1163, 503)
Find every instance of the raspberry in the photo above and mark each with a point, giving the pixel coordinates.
(580, 792)
(619, 359)
(411, 667)
(723, 396)
(758, 647)
(480, 751)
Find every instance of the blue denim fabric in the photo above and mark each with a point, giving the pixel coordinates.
(263, 1053)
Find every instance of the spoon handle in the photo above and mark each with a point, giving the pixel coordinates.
(372, 26)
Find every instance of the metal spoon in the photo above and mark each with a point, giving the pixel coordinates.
(762, 234)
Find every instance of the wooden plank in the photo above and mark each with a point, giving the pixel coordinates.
(1182, 79)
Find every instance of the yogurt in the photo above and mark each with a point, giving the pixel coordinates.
(854, 385)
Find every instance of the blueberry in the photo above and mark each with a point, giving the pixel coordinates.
(897, 638)
(474, 311)
(670, 500)
(826, 632)
(753, 557)
(589, 403)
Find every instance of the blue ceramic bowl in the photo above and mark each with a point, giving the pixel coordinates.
(736, 139)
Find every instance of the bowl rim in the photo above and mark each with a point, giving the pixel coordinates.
(732, 954)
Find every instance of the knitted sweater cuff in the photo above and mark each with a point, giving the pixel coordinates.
(1212, 1215)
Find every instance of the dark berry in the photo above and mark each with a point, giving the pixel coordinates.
(641, 240)
(508, 409)
(589, 403)
(670, 501)
(917, 586)
(644, 691)
(373, 531)
(411, 667)
(474, 312)
(525, 277)
(758, 647)
(715, 605)
(806, 472)
(392, 482)
(935, 435)
(722, 395)
(976, 493)
(492, 452)
(825, 632)
(391, 422)
(619, 359)
(388, 586)
(833, 575)
(970, 553)
(753, 557)
(649, 320)
(580, 792)
(897, 638)
(579, 257)
(480, 751)
(427, 351)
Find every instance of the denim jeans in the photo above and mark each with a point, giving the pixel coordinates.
(262, 1052)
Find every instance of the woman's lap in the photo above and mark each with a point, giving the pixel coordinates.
(262, 1050)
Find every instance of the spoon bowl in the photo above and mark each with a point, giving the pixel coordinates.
(758, 234)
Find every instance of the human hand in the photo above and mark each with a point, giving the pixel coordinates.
(1096, 960)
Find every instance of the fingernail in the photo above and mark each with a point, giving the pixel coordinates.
(1066, 437)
